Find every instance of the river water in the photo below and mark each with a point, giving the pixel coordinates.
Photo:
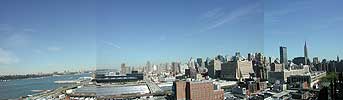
(15, 88)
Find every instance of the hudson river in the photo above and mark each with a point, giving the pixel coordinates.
(15, 88)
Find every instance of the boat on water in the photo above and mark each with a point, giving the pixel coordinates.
(66, 82)
(56, 75)
(40, 91)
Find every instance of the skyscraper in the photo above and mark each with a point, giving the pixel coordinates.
(199, 61)
(283, 56)
(305, 54)
(148, 67)
(316, 60)
(337, 59)
(207, 62)
(191, 63)
(175, 67)
(249, 56)
(123, 69)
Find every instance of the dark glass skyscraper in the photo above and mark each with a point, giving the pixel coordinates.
(283, 56)
(305, 54)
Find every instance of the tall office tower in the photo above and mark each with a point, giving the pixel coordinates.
(249, 56)
(337, 59)
(154, 68)
(175, 67)
(207, 62)
(305, 54)
(200, 63)
(148, 66)
(283, 57)
(315, 60)
(191, 63)
(264, 70)
(259, 57)
(123, 69)
(128, 70)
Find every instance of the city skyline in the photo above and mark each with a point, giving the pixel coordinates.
(39, 36)
(282, 50)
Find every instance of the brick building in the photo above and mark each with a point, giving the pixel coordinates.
(196, 90)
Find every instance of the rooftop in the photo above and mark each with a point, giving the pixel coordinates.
(112, 90)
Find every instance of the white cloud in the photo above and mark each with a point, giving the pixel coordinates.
(7, 57)
(213, 14)
(111, 44)
(218, 17)
(54, 49)
(276, 15)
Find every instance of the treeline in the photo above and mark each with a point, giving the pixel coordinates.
(12, 77)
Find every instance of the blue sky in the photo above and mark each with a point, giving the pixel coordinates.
(42, 35)
(46, 36)
(164, 31)
(290, 23)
